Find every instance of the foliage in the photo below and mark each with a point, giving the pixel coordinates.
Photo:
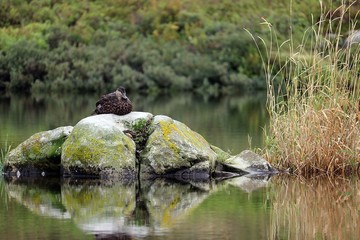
(140, 131)
(145, 45)
(314, 109)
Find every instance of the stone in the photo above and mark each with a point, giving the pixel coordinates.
(172, 147)
(137, 144)
(39, 154)
(98, 147)
(247, 162)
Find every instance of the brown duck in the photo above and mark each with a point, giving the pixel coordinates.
(116, 102)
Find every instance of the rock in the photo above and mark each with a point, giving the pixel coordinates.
(221, 154)
(98, 147)
(39, 154)
(112, 146)
(247, 162)
(173, 147)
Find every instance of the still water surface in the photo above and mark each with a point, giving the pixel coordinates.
(239, 208)
(225, 122)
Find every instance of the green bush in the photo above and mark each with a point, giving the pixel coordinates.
(23, 62)
(94, 45)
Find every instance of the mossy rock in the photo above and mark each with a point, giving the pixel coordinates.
(40, 153)
(247, 162)
(98, 147)
(173, 147)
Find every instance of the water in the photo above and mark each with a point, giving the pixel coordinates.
(226, 122)
(238, 208)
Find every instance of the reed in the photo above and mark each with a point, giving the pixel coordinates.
(3, 154)
(314, 107)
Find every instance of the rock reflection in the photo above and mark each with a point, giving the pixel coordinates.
(105, 208)
(41, 197)
(249, 183)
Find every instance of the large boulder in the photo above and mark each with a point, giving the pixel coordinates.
(39, 154)
(98, 146)
(173, 148)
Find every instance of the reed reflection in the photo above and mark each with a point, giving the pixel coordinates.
(317, 208)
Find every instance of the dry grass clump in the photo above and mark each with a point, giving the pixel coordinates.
(311, 140)
(318, 208)
(314, 108)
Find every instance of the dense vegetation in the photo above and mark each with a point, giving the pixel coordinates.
(209, 46)
(93, 45)
(314, 116)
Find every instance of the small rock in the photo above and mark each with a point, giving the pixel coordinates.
(40, 152)
(247, 162)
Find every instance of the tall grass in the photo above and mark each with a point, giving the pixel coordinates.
(3, 154)
(313, 99)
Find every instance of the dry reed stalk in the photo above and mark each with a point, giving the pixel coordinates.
(314, 113)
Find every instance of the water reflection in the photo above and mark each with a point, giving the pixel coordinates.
(225, 122)
(247, 207)
(318, 208)
(135, 209)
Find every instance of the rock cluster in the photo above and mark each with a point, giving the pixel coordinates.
(129, 146)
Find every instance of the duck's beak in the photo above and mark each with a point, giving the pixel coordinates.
(123, 96)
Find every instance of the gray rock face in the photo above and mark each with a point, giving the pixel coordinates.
(39, 153)
(247, 162)
(172, 147)
(97, 146)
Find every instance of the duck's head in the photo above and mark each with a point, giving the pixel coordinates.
(122, 92)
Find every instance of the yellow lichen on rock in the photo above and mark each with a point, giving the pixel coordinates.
(173, 146)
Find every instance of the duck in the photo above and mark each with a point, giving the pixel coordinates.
(116, 103)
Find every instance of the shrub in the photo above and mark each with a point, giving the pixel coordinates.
(25, 63)
(94, 45)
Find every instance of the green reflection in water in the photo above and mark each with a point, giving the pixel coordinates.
(149, 209)
(239, 208)
(35, 212)
(225, 122)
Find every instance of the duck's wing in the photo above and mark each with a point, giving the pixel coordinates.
(108, 98)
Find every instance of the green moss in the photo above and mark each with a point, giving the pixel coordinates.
(221, 154)
(140, 131)
(94, 150)
(193, 137)
(33, 149)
